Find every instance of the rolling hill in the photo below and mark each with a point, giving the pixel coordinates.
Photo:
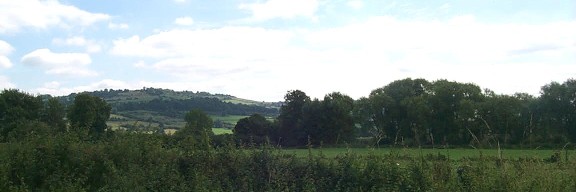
(153, 109)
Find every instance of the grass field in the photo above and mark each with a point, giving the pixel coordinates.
(220, 131)
(454, 154)
(231, 119)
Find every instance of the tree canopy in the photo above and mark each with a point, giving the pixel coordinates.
(253, 130)
(89, 113)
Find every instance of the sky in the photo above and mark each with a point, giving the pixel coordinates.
(260, 49)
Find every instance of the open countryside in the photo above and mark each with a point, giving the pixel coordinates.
(395, 139)
(288, 95)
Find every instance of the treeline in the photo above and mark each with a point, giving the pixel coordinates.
(177, 108)
(23, 115)
(159, 92)
(416, 112)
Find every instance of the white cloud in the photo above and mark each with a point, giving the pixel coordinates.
(356, 4)
(285, 9)
(140, 64)
(45, 57)
(15, 15)
(5, 83)
(5, 49)
(89, 45)
(180, 1)
(184, 21)
(118, 26)
(5, 62)
(70, 64)
(72, 71)
(359, 57)
(221, 42)
(55, 88)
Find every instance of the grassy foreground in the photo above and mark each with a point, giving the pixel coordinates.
(126, 161)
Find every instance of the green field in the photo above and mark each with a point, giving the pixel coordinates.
(454, 154)
(221, 131)
(231, 119)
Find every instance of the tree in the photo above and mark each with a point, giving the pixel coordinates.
(379, 104)
(17, 110)
(253, 129)
(419, 114)
(338, 123)
(291, 131)
(402, 92)
(198, 123)
(313, 123)
(503, 114)
(197, 132)
(557, 111)
(454, 105)
(53, 115)
(89, 113)
(362, 114)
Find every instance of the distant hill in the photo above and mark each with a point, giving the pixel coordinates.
(152, 108)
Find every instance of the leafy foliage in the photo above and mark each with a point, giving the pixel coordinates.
(89, 112)
(20, 115)
(253, 130)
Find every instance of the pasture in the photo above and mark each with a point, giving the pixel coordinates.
(220, 131)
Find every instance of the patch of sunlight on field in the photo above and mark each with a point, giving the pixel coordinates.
(170, 131)
(221, 131)
(217, 131)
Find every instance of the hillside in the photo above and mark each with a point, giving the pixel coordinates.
(152, 109)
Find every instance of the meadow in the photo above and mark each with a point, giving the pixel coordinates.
(221, 131)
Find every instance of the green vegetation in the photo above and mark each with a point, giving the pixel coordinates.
(148, 162)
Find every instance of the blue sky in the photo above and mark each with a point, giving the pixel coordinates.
(259, 49)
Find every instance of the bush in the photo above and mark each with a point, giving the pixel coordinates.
(147, 162)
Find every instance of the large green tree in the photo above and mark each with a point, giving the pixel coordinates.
(337, 122)
(454, 105)
(557, 111)
(89, 113)
(197, 133)
(377, 108)
(502, 116)
(362, 114)
(253, 129)
(418, 116)
(389, 108)
(290, 131)
(17, 111)
(198, 123)
(54, 114)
